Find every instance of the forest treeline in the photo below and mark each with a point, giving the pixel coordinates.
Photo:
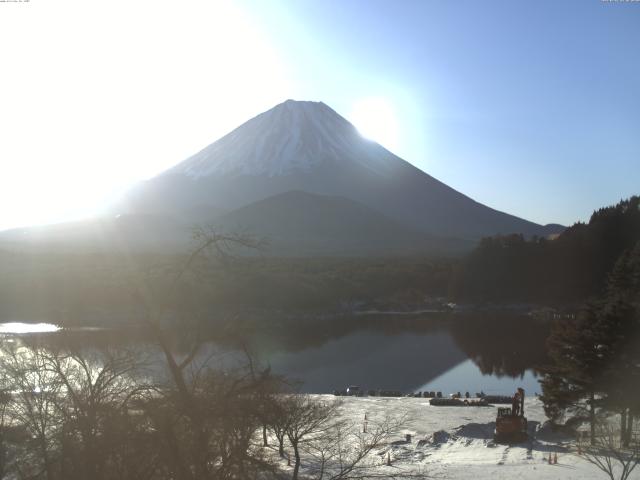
(76, 289)
(81, 288)
(569, 268)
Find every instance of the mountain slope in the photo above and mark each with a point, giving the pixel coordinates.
(307, 146)
(293, 223)
(300, 223)
(123, 233)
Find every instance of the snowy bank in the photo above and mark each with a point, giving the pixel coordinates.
(457, 442)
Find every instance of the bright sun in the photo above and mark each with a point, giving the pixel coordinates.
(375, 118)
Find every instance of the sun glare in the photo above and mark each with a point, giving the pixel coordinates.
(375, 119)
(18, 328)
(75, 134)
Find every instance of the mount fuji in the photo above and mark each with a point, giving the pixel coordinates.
(303, 176)
(308, 147)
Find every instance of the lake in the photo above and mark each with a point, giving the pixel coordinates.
(494, 353)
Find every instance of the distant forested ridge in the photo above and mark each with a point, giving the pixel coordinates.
(569, 268)
(99, 289)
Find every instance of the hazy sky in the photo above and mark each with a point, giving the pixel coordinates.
(529, 107)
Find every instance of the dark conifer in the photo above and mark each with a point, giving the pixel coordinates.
(571, 384)
(596, 356)
(572, 267)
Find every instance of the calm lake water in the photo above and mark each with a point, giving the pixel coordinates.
(494, 354)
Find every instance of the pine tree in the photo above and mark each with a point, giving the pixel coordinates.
(571, 384)
(596, 356)
(621, 312)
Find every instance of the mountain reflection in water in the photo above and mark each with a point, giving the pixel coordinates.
(494, 353)
(471, 352)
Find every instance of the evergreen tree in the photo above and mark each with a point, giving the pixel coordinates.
(572, 267)
(621, 313)
(596, 356)
(571, 384)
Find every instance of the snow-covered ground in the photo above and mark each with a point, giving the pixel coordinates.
(462, 447)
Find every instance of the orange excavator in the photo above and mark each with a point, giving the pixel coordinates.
(511, 424)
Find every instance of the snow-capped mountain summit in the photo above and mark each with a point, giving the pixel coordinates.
(292, 136)
(308, 147)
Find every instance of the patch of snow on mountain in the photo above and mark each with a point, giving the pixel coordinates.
(290, 137)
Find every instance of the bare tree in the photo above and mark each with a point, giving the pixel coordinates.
(5, 401)
(346, 451)
(75, 410)
(305, 419)
(277, 419)
(228, 407)
(97, 387)
(609, 453)
(335, 448)
(34, 406)
(206, 419)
